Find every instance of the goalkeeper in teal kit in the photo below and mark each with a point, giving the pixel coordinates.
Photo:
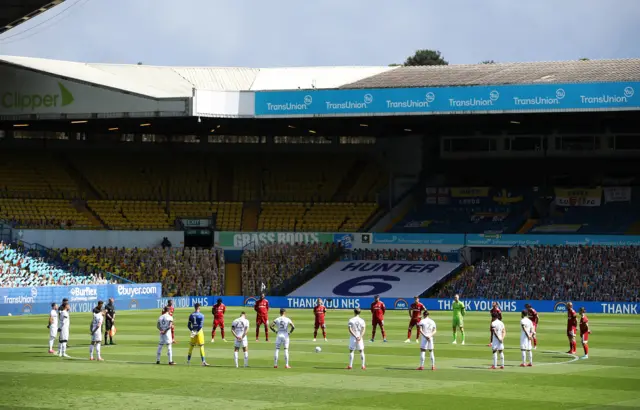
(458, 317)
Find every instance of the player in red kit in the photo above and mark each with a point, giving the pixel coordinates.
(319, 311)
(262, 318)
(584, 332)
(218, 319)
(377, 318)
(495, 309)
(415, 313)
(572, 327)
(533, 316)
(170, 310)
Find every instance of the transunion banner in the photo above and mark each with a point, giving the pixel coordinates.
(450, 100)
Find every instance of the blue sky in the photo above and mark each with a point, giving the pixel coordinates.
(327, 32)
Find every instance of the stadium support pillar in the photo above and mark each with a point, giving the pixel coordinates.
(233, 279)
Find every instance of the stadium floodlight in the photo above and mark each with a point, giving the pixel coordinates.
(291, 126)
(146, 124)
(312, 132)
(407, 129)
(20, 125)
(515, 122)
(364, 125)
(79, 122)
(113, 129)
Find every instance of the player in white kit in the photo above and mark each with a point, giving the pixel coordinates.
(53, 326)
(526, 337)
(165, 326)
(239, 328)
(64, 323)
(95, 328)
(427, 329)
(498, 333)
(356, 330)
(281, 327)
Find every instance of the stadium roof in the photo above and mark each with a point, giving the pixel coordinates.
(179, 82)
(560, 72)
(15, 12)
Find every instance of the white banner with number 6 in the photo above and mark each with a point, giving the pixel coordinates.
(389, 279)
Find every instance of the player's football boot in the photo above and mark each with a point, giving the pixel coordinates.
(349, 367)
(275, 366)
(287, 367)
(157, 361)
(530, 365)
(586, 356)
(420, 368)
(384, 341)
(325, 339)
(314, 339)
(213, 341)
(408, 341)
(492, 368)
(417, 340)
(171, 363)
(224, 340)
(257, 340)
(364, 367)
(66, 355)
(523, 365)
(462, 343)
(371, 340)
(91, 358)
(100, 359)
(454, 342)
(52, 351)
(433, 368)
(501, 367)
(205, 364)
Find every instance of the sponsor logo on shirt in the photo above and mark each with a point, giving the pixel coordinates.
(560, 307)
(401, 304)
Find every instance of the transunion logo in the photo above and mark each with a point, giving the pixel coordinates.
(494, 96)
(428, 99)
(124, 290)
(250, 301)
(31, 102)
(627, 93)
(560, 94)
(560, 307)
(401, 304)
(289, 106)
(352, 104)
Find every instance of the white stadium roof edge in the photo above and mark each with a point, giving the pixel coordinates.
(179, 82)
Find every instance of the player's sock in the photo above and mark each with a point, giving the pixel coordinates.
(502, 358)
(106, 336)
(202, 353)
(586, 349)
(324, 333)
(275, 357)
(170, 353)
(409, 334)
(574, 345)
(535, 341)
(286, 357)
(423, 356)
(64, 348)
(159, 352)
(462, 331)
(98, 350)
(524, 356)
(51, 340)
(384, 335)
(495, 359)
(362, 357)
(91, 351)
(246, 359)
(531, 356)
(315, 333)
(266, 332)
(222, 332)
(351, 359)
(257, 332)
(213, 333)
(235, 358)
(432, 356)
(454, 336)
(373, 333)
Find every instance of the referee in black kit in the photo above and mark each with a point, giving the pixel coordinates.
(110, 318)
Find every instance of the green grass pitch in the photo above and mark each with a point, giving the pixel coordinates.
(130, 379)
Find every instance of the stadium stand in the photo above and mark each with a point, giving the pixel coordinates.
(392, 255)
(182, 271)
(21, 268)
(554, 273)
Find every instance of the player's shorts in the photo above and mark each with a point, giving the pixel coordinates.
(282, 341)
(53, 331)
(97, 336)
(198, 339)
(218, 323)
(525, 343)
(571, 331)
(356, 345)
(584, 337)
(457, 322)
(262, 320)
(426, 344)
(377, 322)
(241, 343)
(497, 345)
(64, 336)
(413, 322)
(108, 324)
(165, 339)
(318, 324)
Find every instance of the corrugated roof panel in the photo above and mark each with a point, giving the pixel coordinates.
(312, 77)
(164, 80)
(509, 73)
(87, 73)
(219, 79)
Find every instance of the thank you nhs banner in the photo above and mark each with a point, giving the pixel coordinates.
(443, 100)
(82, 298)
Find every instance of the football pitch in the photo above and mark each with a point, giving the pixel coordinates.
(129, 377)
